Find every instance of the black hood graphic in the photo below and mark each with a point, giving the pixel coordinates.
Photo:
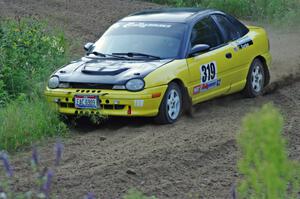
(106, 71)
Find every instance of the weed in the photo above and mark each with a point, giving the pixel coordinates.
(266, 170)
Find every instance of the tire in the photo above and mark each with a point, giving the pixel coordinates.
(171, 106)
(255, 79)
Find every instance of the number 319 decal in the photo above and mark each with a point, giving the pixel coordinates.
(209, 79)
(208, 72)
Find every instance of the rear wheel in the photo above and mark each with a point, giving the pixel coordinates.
(255, 80)
(171, 105)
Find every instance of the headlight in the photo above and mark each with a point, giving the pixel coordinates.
(53, 82)
(135, 85)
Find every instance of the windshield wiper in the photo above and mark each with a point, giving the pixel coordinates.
(134, 54)
(106, 55)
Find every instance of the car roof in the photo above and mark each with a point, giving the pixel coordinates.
(179, 15)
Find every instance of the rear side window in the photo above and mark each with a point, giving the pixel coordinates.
(229, 30)
(206, 32)
(240, 27)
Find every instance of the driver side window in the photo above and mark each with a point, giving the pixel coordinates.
(206, 32)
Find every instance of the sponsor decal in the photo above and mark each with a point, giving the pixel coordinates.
(244, 42)
(206, 86)
(146, 25)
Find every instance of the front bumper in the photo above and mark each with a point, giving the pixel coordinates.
(112, 102)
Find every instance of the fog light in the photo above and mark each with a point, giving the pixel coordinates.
(56, 100)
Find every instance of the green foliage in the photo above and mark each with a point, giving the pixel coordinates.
(24, 122)
(3, 94)
(266, 170)
(276, 11)
(134, 194)
(29, 52)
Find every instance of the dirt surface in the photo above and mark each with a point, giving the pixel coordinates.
(194, 158)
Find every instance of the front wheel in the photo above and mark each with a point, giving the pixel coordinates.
(255, 80)
(171, 105)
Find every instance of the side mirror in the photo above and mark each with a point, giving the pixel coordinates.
(88, 46)
(199, 48)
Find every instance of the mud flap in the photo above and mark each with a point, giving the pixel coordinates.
(187, 103)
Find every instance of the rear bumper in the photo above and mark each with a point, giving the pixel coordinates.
(112, 102)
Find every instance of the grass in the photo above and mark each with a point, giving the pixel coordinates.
(25, 122)
(277, 12)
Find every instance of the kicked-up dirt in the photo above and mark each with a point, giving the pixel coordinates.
(193, 158)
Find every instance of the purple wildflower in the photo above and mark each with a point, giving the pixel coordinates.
(34, 157)
(7, 167)
(58, 149)
(233, 192)
(89, 196)
(47, 185)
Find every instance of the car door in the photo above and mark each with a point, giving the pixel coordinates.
(209, 70)
(234, 36)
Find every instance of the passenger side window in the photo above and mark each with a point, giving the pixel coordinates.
(206, 32)
(229, 30)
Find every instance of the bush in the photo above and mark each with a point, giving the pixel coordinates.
(275, 11)
(3, 94)
(29, 52)
(266, 170)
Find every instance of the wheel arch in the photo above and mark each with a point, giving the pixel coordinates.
(266, 68)
(186, 99)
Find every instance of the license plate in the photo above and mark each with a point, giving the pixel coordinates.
(86, 101)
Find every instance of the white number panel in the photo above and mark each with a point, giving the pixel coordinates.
(208, 72)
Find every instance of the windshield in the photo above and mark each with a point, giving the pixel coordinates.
(152, 38)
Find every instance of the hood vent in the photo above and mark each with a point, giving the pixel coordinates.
(92, 70)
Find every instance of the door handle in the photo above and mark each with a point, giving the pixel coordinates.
(228, 55)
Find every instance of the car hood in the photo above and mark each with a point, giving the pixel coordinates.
(107, 71)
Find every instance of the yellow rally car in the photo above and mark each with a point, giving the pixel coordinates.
(157, 63)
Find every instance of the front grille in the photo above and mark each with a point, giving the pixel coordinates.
(91, 86)
(102, 106)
